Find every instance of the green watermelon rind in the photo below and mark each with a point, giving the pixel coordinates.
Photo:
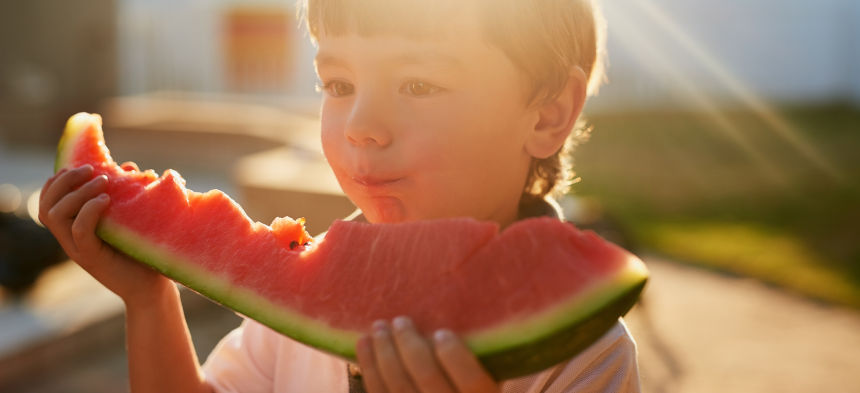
(506, 350)
(558, 343)
(307, 330)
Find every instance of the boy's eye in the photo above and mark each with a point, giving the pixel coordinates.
(419, 88)
(336, 88)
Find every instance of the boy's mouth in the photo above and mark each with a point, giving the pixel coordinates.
(374, 182)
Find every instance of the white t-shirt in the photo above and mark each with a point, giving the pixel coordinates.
(254, 358)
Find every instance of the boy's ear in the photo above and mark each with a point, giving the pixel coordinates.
(557, 116)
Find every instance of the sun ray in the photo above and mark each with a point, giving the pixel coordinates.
(745, 95)
(652, 56)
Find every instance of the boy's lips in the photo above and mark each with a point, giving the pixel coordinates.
(375, 181)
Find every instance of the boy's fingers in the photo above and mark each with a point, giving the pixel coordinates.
(462, 366)
(418, 358)
(60, 217)
(71, 203)
(390, 366)
(63, 183)
(48, 184)
(84, 226)
(369, 370)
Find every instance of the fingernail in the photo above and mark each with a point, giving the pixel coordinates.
(104, 197)
(402, 323)
(443, 336)
(380, 328)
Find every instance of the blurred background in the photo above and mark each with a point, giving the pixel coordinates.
(724, 150)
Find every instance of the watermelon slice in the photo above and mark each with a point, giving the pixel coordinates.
(523, 299)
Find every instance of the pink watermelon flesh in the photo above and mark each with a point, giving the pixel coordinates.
(524, 299)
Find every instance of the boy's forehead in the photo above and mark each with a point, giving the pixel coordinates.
(395, 50)
(415, 19)
(386, 52)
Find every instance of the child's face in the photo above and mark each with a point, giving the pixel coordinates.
(419, 129)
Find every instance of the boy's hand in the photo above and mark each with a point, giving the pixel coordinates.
(395, 358)
(70, 205)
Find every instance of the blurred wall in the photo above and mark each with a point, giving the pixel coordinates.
(55, 57)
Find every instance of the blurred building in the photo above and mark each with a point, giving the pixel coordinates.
(782, 51)
(56, 58)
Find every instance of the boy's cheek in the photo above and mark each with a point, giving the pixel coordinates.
(331, 140)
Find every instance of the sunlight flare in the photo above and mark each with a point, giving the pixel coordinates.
(650, 55)
(748, 97)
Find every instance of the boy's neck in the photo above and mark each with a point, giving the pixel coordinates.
(547, 207)
(544, 207)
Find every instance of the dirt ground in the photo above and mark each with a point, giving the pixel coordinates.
(699, 331)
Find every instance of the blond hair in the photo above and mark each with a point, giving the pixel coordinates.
(545, 39)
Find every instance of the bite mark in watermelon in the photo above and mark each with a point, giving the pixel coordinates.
(523, 299)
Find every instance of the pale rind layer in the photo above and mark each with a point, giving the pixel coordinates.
(75, 126)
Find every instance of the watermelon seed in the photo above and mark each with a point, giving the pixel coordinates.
(293, 245)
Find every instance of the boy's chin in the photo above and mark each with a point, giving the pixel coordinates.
(385, 210)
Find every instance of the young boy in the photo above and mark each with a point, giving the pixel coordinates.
(430, 109)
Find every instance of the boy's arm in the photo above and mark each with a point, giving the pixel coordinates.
(161, 357)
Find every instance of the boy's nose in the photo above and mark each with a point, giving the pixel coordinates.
(366, 124)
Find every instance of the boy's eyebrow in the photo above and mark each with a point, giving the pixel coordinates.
(323, 59)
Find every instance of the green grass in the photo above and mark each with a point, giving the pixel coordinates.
(737, 197)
